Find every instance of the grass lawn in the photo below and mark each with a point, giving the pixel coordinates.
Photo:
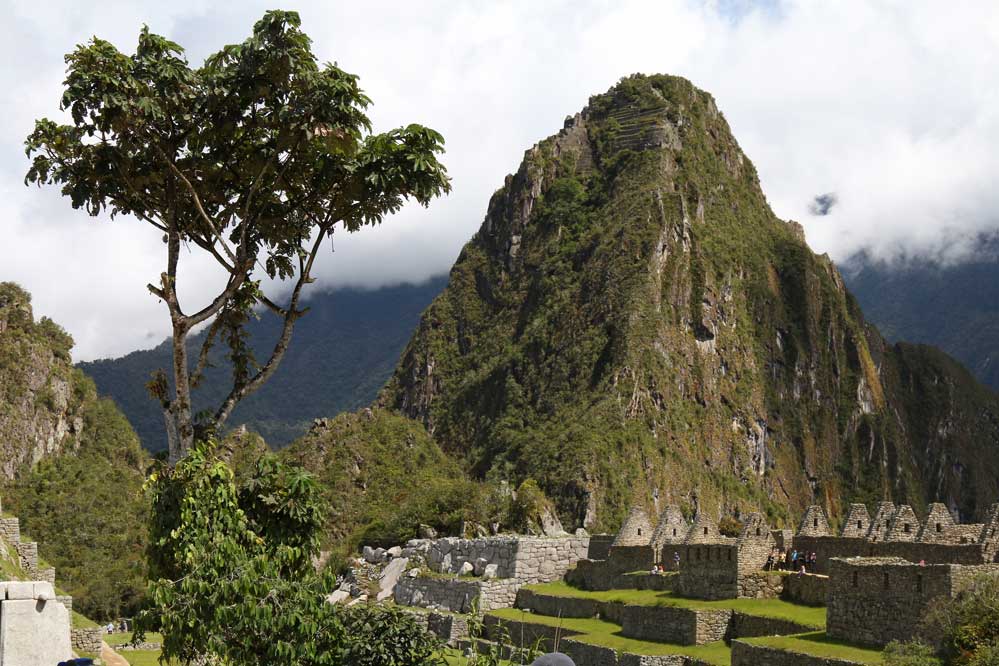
(142, 657)
(608, 634)
(818, 644)
(125, 637)
(810, 616)
(79, 621)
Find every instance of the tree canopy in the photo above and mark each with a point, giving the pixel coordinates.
(255, 158)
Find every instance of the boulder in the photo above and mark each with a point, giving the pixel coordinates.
(386, 585)
(466, 569)
(480, 566)
(426, 532)
(491, 571)
(368, 553)
(394, 552)
(338, 596)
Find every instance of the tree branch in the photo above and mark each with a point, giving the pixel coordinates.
(291, 315)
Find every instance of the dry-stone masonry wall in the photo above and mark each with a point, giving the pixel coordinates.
(527, 559)
(87, 640)
(456, 595)
(744, 654)
(876, 600)
(708, 571)
(808, 589)
(672, 624)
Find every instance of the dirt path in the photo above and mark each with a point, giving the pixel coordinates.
(110, 657)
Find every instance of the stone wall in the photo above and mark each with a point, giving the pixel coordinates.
(708, 571)
(760, 585)
(66, 601)
(876, 600)
(599, 546)
(829, 547)
(673, 624)
(748, 626)
(524, 634)
(625, 559)
(744, 654)
(556, 606)
(34, 626)
(599, 575)
(588, 655)
(87, 640)
(10, 530)
(807, 589)
(457, 595)
(527, 559)
(27, 553)
(449, 628)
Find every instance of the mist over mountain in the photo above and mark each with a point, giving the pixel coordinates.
(953, 305)
(341, 354)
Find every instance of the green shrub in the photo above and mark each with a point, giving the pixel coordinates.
(911, 653)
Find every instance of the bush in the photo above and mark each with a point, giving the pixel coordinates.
(911, 653)
(729, 527)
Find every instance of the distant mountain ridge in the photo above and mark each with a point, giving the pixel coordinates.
(341, 354)
(951, 305)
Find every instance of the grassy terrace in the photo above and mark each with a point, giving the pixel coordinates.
(773, 608)
(817, 644)
(608, 634)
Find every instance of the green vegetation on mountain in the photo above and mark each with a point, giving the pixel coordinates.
(344, 352)
(632, 320)
(383, 476)
(951, 305)
(73, 467)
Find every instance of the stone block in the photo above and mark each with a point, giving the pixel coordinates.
(34, 634)
(43, 590)
(20, 590)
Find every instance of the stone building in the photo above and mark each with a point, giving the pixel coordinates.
(636, 530)
(857, 523)
(632, 549)
(879, 524)
(874, 601)
(671, 529)
(903, 526)
(814, 522)
(704, 530)
(938, 526)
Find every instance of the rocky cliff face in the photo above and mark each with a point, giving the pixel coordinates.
(632, 321)
(41, 395)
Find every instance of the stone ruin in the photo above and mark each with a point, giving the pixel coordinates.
(896, 531)
(34, 622)
(34, 625)
(458, 575)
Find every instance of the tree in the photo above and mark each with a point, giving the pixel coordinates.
(254, 158)
(232, 573)
(966, 628)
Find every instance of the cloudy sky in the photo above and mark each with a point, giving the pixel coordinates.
(891, 107)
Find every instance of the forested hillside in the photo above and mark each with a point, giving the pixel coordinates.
(341, 354)
(72, 466)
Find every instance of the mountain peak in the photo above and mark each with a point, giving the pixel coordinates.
(632, 315)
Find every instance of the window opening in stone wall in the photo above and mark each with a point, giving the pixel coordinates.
(705, 531)
(939, 527)
(674, 531)
(860, 524)
(757, 531)
(906, 528)
(815, 522)
(919, 583)
(855, 579)
(886, 580)
(964, 539)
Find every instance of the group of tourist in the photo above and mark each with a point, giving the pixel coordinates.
(800, 561)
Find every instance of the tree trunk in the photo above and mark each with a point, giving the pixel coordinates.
(179, 415)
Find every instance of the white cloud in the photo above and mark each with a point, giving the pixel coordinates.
(891, 105)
